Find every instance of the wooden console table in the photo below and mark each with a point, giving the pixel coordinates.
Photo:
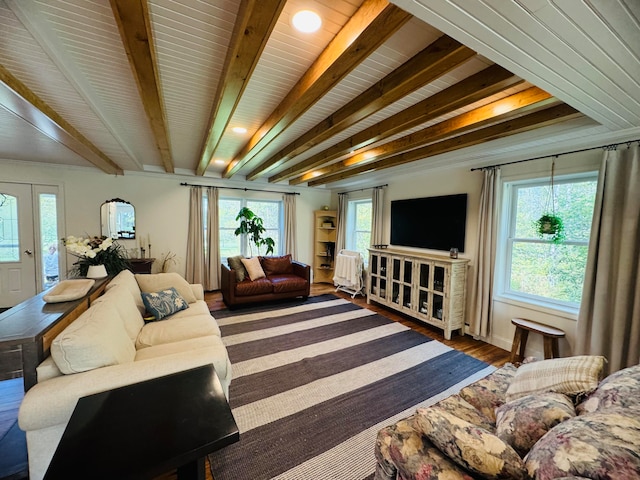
(33, 324)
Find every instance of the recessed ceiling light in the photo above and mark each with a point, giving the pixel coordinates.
(306, 21)
(219, 161)
(239, 130)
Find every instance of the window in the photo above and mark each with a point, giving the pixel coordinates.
(271, 213)
(358, 234)
(536, 270)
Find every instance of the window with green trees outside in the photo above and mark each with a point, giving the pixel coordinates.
(536, 269)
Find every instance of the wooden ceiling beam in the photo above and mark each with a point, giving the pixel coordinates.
(134, 24)
(513, 106)
(18, 99)
(526, 123)
(254, 24)
(487, 82)
(372, 24)
(437, 59)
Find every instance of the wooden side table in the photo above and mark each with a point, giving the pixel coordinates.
(141, 265)
(143, 430)
(549, 334)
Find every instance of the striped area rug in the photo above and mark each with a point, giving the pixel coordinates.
(314, 381)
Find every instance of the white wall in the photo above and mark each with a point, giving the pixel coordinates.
(161, 203)
(462, 180)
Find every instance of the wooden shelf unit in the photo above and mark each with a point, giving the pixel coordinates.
(430, 288)
(325, 226)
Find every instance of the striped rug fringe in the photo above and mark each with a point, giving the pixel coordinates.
(314, 381)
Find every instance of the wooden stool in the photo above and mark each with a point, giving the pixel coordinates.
(523, 327)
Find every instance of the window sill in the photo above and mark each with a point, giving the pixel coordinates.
(565, 312)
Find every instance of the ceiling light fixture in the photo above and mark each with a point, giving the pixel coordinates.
(219, 161)
(239, 130)
(306, 21)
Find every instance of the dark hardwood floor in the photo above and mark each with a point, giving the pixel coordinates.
(11, 390)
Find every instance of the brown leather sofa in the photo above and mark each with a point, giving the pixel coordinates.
(284, 278)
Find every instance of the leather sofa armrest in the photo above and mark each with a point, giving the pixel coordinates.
(301, 270)
(227, 283)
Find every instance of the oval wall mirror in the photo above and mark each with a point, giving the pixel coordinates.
(118, 219)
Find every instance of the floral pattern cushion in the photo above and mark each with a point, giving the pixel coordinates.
(490, 392)
(458, 406)
(522, 422)
(402, 453)
(621, 388)
(471, 447)
(163, 303)
(599, 445)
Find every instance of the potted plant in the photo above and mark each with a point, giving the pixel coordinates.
(252, 226)
(95, 252)
(551, 224)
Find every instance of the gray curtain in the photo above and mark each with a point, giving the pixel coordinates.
(195, 268)
(377, 203)
(341, 230)
(609, 319)
(482, 286)
(212, 260)
(290, 225)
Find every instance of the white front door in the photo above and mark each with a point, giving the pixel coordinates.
(17, 244)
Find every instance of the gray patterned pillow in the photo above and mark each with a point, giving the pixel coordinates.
(490, 392)
(164, 303)
(458, 406)
(602, 445)
(235, 263)
(471, 447)
(621, 388)
(522, 422)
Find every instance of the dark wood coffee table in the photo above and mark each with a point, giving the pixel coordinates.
(143, 430)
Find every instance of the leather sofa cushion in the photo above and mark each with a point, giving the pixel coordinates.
(287, 283)
(255, 287)
(276, 265)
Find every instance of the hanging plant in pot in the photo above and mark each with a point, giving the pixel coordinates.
(550, 226)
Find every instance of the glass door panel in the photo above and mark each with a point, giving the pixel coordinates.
(395, 292)
(406, 296)
(437, 306)
(423, 302)
(374, 265)
(408, 267)
(49, 239)
(438, 278)
(383, 267)
(396, 269)
(424, 275)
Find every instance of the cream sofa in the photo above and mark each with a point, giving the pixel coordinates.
(110, 346)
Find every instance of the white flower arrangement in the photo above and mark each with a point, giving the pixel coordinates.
(96, 251)
(87, 248)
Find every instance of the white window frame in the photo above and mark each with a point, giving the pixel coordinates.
(350, 237)
(244, 243)
(506, 240)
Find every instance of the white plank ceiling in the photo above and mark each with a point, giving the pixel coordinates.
(70, 55)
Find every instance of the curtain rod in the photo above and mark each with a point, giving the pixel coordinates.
(611, 145)
(363, 189)
(184, 184)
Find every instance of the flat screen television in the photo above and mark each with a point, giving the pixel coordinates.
(437, 223)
